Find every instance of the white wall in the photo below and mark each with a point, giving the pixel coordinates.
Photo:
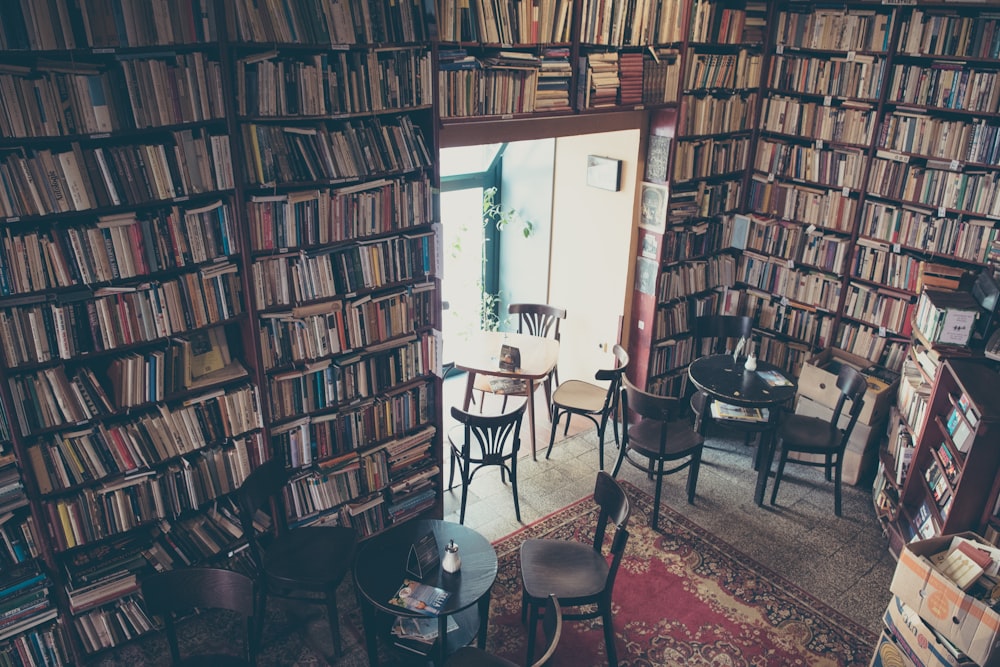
(591, 237)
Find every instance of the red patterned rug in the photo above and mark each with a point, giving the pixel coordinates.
(682, 597)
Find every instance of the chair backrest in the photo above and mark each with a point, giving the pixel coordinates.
(663, 409)
(492, 432)
(552, 622)
(177, 592)
(852, 385)
(712, 333)
(262, 490)
(611, 498)
(614, 378)
(537, 319)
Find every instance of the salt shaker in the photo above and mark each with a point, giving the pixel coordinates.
(452, 562)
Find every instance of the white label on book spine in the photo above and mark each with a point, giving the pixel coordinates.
(942, 211)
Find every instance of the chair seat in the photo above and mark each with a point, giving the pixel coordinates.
(469, 656)
(311, 557)
(580, 395)
(644, 438)
(808, 434)
(570, 570)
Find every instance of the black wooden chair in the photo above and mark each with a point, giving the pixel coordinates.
(303, 564)
(823, 438)
(716, 334)
(596, 403)
(578, 574)
(470, 656)
(176, 593)
(659, 436)
(480, 441)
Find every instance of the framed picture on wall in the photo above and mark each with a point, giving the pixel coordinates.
(653, 214)
(604, 173)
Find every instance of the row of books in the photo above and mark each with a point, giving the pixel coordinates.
(329, 83)
(963, 238)
(88, 457)
(694, 277)
(300, 22)
(61, 24)
(838, 167)
(802, 323)
(727, 71)
(321, 217)
(946, 86)
(25, 598)
(482, 92)
(711, 114)
(975, 140)
(671, 320)
(326, 384)
(878, 307)
(701, 199)
(661, 75)
(54, 99)
(715, 23)
(847, 123)
(289, 279)
(876, 262)
(316, 439)
(821, 207)
(835, 29)
(310, 333)
(42, 645)
(494, 22)
(631, 23)
(683, 242)
(46, 182)
(18, 541)
(933, 34)
(707, 157)
(773, 275)
(109, 626)
(116, 247)
(935, 185)
(865, 341)
(855, 76)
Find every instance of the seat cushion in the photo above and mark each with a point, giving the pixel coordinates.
(682, 440)
(808, 434)
(573, 571)
(310, 558)
(580, 395)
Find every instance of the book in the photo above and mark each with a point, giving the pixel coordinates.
(420, 598)
(508, 386)
(774, 379)
(510, 358)
(739, 413)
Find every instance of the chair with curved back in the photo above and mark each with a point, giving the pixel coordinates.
(534, 319)
(658, 436)
(596, 403)
(821, 437)
(304, 564)
(175, 593)
(497, 441)
(578, 573)
(471, 656)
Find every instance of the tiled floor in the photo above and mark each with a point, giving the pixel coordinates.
(841, 560)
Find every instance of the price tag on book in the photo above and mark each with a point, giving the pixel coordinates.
(770, 178)
(819, 144)
(851, 55)
(846, 192)
(882, 332)
(942, 211)
(955, 165)
(827, 100)
(811, 228)
(791, 264)
(779, 48)
(896, 248)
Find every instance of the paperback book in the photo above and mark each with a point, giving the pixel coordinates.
(421, 598)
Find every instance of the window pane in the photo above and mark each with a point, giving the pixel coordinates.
(462, 222)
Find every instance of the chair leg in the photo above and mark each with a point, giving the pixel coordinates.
(524, 606)
(552, 432)
(465, 494)
(693, 469)
(621, 457)
(609, 634)
(778, 474)
(451, 473)
(513, 485)
(836, 487)
(532, 631)
(659, 491)
(600, 443)
(331, 610)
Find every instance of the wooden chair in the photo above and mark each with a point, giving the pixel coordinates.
(175, 593)
(596, 403)
(717, 334)
(497, 441)
(470, 656)
(659, 436)
(534, 319)
(303, 564)
(578, 574)
(816, 436)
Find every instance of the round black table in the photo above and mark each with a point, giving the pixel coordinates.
(726, 380)
(380, 568)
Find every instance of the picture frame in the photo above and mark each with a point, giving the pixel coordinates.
(653, 207)
(604, 173)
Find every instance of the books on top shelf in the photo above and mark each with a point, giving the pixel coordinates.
(946, 317)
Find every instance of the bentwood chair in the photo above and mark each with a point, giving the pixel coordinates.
(302, 564)
(534, 319)
(822, 438)
(596, 403)
(577, 573)
(176, 593)
(658, 436)
(470, 656)
(480, 441)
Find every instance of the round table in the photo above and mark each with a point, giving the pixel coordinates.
(727, 380)
(381, 566)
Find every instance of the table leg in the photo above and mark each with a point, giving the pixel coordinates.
(442, 639)
(369, 620)
(484, 618)
(765, 459)
(531, 416)
(470, 381)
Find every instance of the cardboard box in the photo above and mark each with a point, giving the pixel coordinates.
(888, 653)
(966, 622)
(861, 454)
(820, 384)
(918, 640)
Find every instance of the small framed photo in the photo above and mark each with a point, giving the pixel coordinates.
(645, 275)
(650, 246)
(604, 173)
(653, 207)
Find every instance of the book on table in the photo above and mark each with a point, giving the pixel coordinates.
(774, 379)
(418, 635)
(739, 413)
(421, 598)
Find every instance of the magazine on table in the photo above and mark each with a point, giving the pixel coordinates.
(421, 598)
